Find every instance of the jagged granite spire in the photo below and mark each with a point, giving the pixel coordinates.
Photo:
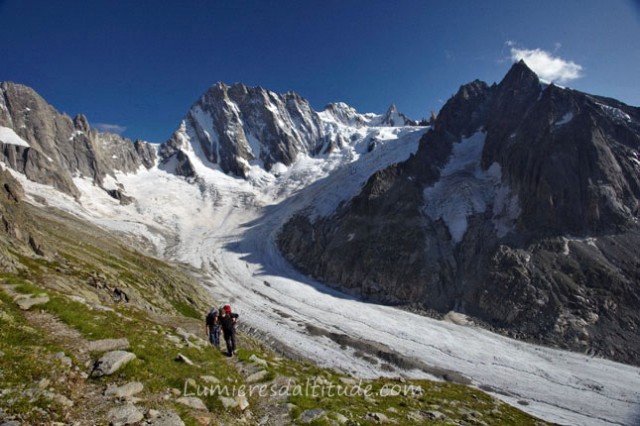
(236, 126)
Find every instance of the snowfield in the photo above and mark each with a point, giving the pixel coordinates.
(227, 227)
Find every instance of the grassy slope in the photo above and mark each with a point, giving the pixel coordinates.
(81, 260)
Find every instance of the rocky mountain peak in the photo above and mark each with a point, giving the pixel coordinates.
(237, 127)
(220, 86)
(217, 91)
(50, 147)
(470, 91)
(459, 115)
(393, 118)
(81, 123)
(18, 88)
(520, 207)
(239, 90)
(520, 76)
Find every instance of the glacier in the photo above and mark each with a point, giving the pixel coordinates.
(227, 225)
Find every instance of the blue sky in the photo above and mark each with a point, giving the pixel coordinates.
(139, 65)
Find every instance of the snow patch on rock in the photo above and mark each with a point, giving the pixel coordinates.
(8, 136)
(464, 189)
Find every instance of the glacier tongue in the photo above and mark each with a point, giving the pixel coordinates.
(227, 226)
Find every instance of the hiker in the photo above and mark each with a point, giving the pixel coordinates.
(228, 323)
(212, 327)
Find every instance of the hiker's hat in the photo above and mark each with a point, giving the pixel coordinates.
(227, 308)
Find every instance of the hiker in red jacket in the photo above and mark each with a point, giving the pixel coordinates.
(228, 324)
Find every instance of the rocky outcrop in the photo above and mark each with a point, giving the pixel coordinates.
(125, 391)
(51, 148)
(345, 115)
(348, 116)
(569, 156)
(16, 225)
(26, 302)
(520, 208)
(358, 248)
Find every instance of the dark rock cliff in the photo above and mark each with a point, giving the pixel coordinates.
(520, 208)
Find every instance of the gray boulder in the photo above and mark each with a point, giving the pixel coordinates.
(308, 416)
(183, 358)
(111, 362)
(193, 402)
(257, 376)
(27, 302)
(124, 391)
(126, 414)
(167, 418)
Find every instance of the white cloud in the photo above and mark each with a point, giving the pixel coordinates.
(110, 128)
(549, 68)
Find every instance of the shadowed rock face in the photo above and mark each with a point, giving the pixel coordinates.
(59, 146)
(519, 208)
(16, 226)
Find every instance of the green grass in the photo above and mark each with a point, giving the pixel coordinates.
(12, 279)
(157, 368)
(93, 325)
(186, 309)
(38, 267)
(21, 285)
(155, 364)
(25, 361)
(457, 402)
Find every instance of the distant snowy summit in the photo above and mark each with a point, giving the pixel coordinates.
(237, 127)
(234, 129)
(348, 116)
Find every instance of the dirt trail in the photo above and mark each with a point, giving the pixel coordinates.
(88, 398)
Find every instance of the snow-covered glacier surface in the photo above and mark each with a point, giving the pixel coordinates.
(226, 226)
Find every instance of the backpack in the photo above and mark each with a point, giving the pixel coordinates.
(210, 316)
